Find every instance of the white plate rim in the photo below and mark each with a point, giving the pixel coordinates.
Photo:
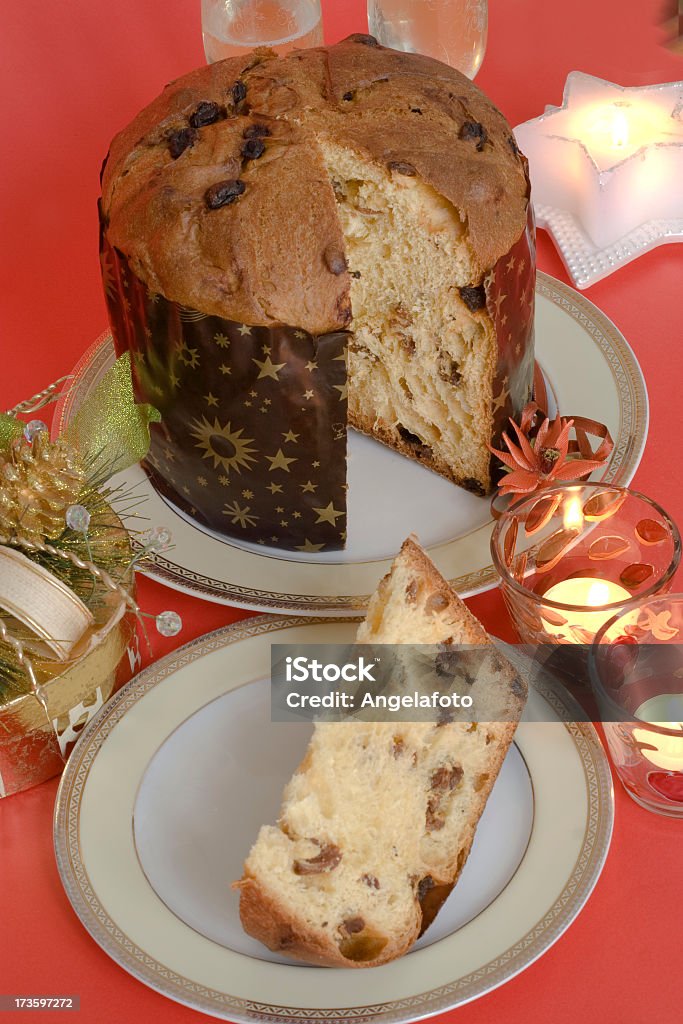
(104, 930)
(629, 442)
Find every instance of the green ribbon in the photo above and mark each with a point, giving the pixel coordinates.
(110, 430)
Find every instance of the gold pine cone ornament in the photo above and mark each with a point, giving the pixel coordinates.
(38, 482)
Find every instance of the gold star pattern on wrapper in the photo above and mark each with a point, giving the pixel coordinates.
(510, 291)
(244, 433)
(240, 515)
(328, 514)
(500, 400)
(310, 546)
(267, 368)
(279, 461)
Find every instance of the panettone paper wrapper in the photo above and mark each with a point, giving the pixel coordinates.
(510, 299)
(252, 438)
(34, 745)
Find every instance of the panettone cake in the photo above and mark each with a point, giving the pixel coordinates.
(290, 245)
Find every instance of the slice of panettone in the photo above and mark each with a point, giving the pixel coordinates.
(378, 820)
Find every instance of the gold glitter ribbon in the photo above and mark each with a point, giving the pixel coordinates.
(43, 603)
(10, 429)
(110, 430)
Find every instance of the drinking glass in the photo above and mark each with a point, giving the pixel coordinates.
(453, 31)
(232, 28)
(636, 668)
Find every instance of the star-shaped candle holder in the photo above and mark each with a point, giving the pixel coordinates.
(607, 172)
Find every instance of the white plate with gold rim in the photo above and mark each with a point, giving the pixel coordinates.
(591, 371)
(166, 789)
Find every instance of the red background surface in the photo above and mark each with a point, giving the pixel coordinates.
(71, 74)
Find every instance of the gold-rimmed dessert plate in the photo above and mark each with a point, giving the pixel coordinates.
(589, 370)
(168, 784)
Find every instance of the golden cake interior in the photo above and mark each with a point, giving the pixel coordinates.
(420, 361)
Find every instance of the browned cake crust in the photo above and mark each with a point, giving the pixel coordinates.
(276, 254)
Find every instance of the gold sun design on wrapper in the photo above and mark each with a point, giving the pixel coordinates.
(224, 445)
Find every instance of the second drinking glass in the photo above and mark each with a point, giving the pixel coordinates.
(453, 31)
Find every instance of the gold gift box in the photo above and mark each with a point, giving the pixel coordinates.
(34, 745)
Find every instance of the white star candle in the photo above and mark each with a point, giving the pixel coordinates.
(611, 157)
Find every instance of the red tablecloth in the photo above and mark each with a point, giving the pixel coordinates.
(71, 74)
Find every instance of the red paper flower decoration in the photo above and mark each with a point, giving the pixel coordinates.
(546, 455)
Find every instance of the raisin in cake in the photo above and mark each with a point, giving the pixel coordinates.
(266, 217)
(378, 820)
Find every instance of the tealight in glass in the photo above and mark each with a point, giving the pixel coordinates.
(569, 558)
(636, 670)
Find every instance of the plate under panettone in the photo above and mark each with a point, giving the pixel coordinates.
(147, 859)
(589, 369)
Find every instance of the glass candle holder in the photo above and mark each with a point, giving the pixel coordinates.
(636, 670)
(569, 558)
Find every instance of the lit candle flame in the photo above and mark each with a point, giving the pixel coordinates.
(598, 594)
(572, 518)
(620, 129)
(616, 128)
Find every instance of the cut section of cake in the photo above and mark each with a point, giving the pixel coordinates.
(423, 354)
(378, 820)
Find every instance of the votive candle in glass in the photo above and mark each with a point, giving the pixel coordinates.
(571, 557)
(636, 670)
